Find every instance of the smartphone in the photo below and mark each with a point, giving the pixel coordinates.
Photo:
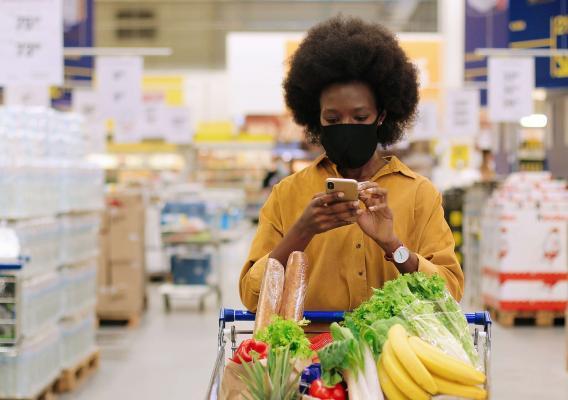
(347, 186)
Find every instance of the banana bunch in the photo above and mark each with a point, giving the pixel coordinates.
(412, 369)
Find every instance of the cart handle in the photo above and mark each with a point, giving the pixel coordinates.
(481, 318)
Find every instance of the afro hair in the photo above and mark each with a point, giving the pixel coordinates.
(342, 50)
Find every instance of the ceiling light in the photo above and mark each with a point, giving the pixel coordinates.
(534, 121)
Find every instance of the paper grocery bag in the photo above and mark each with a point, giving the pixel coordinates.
(233, 388)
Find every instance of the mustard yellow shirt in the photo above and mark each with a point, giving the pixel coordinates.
(344, 263)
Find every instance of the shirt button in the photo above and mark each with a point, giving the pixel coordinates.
(360, 273)
(358, 245)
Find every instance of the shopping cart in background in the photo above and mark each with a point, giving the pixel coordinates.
(195, 223)
(481, 338)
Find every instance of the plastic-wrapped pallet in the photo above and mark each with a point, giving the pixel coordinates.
(77, 338)
(79, 287)
(43, 168)
(26, 369)
(40, 303)
(39, 240)
(79, 238)
(525, 244)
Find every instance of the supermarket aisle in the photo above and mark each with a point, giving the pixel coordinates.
(171, 356)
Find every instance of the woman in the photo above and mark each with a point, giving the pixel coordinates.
(352, 87)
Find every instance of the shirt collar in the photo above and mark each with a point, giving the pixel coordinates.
(394, 165)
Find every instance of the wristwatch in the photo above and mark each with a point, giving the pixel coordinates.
(399, 256)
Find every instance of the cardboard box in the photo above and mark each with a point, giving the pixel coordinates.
(103, 272)
(124, 296)
(126, 214)
(126, 247)
(122, 274)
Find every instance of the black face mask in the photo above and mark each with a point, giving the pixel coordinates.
(350, 145)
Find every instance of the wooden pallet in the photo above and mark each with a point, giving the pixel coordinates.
(132, 320)
(71, 378)
(527, 318)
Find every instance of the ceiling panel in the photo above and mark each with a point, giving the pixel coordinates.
(196, 29)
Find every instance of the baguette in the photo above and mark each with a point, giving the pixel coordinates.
(295, 286)
(270, 296)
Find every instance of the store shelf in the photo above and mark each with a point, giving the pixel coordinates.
(143, 147)
(12, 264)
(234, 145)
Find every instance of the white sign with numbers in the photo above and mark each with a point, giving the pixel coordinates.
(86, 102)
(152, 120)
(178, 127)
(31, 42)
(27, 96)
(511, 82)
(426, 124)
(119, 84)
(462, 112)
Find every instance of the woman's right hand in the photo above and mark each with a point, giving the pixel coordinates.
(326, 212)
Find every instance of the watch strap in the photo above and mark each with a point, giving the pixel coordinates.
(390, 256)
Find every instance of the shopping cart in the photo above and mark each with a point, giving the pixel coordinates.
(481, 339)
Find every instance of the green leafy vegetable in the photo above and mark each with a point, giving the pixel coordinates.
(276, 380)
(350, 358)
(429, 310)
(286, 333)
(333, 361)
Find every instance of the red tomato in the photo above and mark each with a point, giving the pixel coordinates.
(318, 390)
(338, 392)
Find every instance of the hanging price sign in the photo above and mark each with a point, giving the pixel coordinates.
(462, 113)
(178, 126)
(511, 83)
(119, 84)
(31, 42)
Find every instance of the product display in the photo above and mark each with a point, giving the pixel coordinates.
(524, 244)
(51, 195)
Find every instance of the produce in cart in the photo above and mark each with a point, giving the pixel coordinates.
(351, 359)
(410, 368)
(249, 349)
(275, 380)
(286, 333)
(421, 303)
(269, 364)
(416, 339)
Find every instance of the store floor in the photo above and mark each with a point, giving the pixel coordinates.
(170, 356)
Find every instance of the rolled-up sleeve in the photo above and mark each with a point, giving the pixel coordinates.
(268, 235)
(435, 241)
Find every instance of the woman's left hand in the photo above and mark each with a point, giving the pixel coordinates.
(377, 220)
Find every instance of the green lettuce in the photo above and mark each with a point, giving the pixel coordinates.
(283, 333)
(427, 307)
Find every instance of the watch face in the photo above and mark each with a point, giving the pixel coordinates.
(401, 255)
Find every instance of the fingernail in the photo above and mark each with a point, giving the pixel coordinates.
(340, 194)
(359, 212)
(355, 204)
